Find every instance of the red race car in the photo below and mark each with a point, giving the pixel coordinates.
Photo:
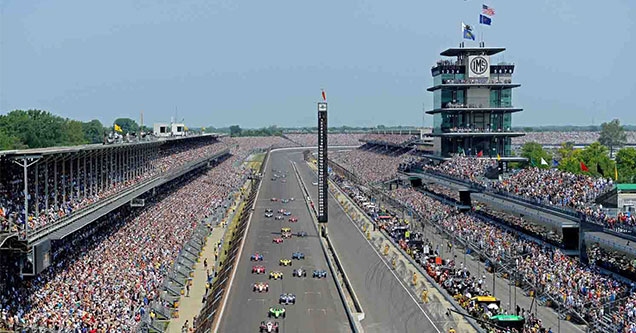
(281, 211)
(274, 199)
(261, 287)
(258, 269)
(278, 240)
(293, 219)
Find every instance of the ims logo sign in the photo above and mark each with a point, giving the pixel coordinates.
(479, 65)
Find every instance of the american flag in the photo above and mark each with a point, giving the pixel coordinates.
(487, 10)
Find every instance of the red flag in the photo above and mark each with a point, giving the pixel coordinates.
(583, 167)
(480, 154)
(324, 98)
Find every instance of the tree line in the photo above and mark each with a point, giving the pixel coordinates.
(594, 159)
(21, 129)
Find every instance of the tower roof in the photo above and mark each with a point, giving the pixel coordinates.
(455, 51)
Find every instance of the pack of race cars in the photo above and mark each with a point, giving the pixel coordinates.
(260, 260)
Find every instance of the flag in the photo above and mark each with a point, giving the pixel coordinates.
(483, 19)
(543, 162)
(487, 10)
(480, 154)
(467, 31)
(324, 97)
(583, 167)
(185, 128)
(615, 172)
(498, 157)
(599, 169)
(117, 128)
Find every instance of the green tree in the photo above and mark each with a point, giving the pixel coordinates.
(93, 131)
(74, 132)
(9, 142)
(534, 152)
(596, 158)
(612, 135)
(127, 125)
(626, 165)
(235, 130)
(35, 128)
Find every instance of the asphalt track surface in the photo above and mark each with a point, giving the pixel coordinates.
(387, 305)
(318, 306)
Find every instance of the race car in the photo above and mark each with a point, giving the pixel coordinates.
(273, 179)
(258, 269)
(285, 229)
(285, 262)
(281, 211)
(276, 312)
(319, 273)
(279, 217)
(278, 240)
(269, 210)
(284, 200)
(287, 234)
(287, 213)
(269, 327)
(273, 199)
(293, 219)
(301, 234)
(299, 272)
(287, 298)
(261, 287)
(298, 255)
(268, 215)
(291, 199)
(256, 257)
(276, 275)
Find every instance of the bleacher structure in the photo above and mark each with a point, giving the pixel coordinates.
(54, 176)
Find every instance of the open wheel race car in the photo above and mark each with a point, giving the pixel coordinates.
(298, 255)
(261, 287)
(276, 312)
(285, 262)
(258, 269)
(269, 327)
(276, 275)
(256, 257)
(277, 240)
(300, 272)
(319, 273)
(287, 298)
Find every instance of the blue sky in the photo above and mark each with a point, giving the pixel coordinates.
(257, 63)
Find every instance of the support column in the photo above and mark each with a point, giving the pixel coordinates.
(55, 186)
(85, 178)
(70, 163)
(37, 185)
(63, 180)
(46, 188)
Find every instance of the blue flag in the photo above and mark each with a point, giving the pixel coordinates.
(467, 31)
(483, 19)
(555, 162)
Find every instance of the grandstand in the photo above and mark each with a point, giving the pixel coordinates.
(132, 215)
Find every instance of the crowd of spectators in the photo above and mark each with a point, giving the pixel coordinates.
(454, 277)
(563, 278)
(78, 194)
(105, 277)
(370, 166)
(469, 169)
(333, 139)
(396, 139)
(552, 137)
